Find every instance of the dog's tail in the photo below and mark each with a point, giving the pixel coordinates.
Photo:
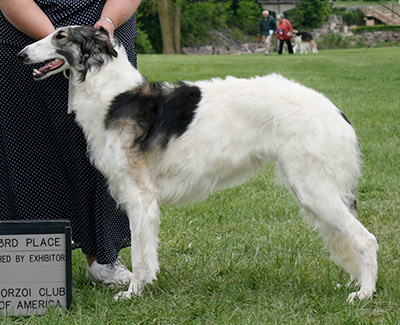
(353, 204)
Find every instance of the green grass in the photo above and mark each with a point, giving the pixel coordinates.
(245, 255)
(359, 3)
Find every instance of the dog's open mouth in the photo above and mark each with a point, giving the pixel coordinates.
(49, 66)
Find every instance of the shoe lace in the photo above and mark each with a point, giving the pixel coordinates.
(117, 266)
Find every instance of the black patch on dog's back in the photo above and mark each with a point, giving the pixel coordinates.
(345, 118)
(160, 113)
(305, 37)
(353, 205)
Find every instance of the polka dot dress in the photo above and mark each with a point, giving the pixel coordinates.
(44, 169)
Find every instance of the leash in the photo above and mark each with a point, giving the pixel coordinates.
(69, 90)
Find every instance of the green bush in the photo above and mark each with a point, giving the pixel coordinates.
(142, 42)
(378, 28)
(247, 14)
(333, 41)
(198, 18)
(148, 22)
(351, 17)
(309, 14)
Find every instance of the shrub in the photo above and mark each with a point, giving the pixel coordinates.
(142, 42)
(333, 41)
(247, 14)
(198, 18)
(309, 14)
(351, 17)
(378, 28)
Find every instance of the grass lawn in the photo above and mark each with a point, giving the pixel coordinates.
(245, 255)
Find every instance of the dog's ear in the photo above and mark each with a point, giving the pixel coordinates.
(104, 42)
(94, 43)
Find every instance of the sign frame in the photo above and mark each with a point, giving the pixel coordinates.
(44, 227)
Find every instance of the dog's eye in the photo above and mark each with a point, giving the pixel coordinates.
(60, 35)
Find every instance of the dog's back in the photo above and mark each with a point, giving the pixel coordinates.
(305, 37)
(233, 127)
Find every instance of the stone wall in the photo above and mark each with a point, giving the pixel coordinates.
(255, 47)
(369, 38)
(252, 47)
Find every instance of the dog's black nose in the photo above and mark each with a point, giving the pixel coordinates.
(22, 56)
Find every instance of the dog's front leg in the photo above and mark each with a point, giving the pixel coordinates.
(144, 220)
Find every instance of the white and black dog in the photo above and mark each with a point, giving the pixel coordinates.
(162, 144)
(304, 42)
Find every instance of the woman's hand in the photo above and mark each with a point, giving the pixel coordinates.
(107, 24)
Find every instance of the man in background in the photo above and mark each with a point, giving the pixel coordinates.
(266, 29)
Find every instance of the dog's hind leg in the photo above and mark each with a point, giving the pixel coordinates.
(352, 246)
(314, 48)
(350, 243)
(144, 220)
(342, 252)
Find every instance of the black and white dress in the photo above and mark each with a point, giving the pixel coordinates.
(44, 169)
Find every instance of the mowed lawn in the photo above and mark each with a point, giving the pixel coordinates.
(245, 255)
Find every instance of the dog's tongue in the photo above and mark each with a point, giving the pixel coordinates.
(51, 65)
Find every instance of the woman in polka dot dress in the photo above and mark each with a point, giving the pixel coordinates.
(44, 169)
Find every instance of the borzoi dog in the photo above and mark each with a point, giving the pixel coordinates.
(163, 144)
(304, 41)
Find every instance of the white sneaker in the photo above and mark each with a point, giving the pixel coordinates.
(113, 274)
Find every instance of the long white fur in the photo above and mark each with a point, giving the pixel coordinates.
(239, 125)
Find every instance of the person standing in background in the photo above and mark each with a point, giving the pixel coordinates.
(44, 169)
(267, 28)
(284, 33)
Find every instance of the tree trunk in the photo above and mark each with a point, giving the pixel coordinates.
(167, 33)
(177, 28)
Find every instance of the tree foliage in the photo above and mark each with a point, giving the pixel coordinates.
(310, 13)
(198, 18)
(351, 17)
(246, 15)
(148, 27)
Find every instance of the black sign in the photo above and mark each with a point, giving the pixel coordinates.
(35, 266)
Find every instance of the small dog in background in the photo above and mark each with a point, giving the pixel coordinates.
(305, 42)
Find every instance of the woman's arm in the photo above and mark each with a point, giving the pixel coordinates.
(290, 28)
(118, 11)
(27, 17)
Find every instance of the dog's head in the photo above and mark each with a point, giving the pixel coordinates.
(80, 48)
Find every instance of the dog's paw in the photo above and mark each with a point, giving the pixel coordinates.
(123, 295)
(362, 294)
(348, 284)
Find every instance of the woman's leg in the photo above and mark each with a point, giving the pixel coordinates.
(280, 46)
(289, 45)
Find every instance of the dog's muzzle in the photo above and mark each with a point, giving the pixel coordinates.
(50, 66)
(23, 57)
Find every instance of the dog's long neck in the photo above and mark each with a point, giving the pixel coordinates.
(103, 84)
(91, 98)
